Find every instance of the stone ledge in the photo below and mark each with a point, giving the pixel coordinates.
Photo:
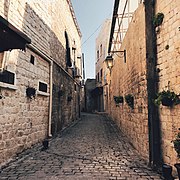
(42, 93)
(8, 86)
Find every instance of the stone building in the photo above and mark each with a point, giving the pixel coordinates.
(146, 61)
(40, 78)
(90, 100)
(101, 70)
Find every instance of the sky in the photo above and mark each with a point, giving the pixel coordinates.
(90, 15)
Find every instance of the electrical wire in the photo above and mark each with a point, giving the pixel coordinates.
(94, 32)
(91, 35)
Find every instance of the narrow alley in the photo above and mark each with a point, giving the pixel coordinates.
(92, 148)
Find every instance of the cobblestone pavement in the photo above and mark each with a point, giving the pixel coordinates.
(93, 148)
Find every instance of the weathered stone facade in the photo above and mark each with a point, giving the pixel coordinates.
(168, 63)
(26, 121)
(90, 102)
(131, 77)
(102, 41)
(66, 100)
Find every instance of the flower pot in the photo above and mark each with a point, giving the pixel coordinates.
(167, 101)
(30, 92)
(130, 100)
(178, 169)
(167, 172)
(69, 98)
(45, 144)
(118, 99)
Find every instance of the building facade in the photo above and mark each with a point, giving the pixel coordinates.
(90, 102)
(101, 90)
(40, 78)
(146, 62)
(168, 67)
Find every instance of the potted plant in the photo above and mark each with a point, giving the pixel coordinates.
(30, 92)
(130, 100)
(176, 143)
(158, 19)
(167, 98)
(118, 99)
(69, 98)
(45, 144)
(167, 172)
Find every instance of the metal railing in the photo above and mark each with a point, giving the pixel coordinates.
(122, 16)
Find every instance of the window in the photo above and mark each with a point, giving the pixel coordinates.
(42, 87)
(74, 53)
(75, 89)
(101, 74)
(68, 51)
(32, 59)
(7, 77)
(100, 50)
(97, 55)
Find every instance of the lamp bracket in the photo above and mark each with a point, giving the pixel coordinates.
(124, 53)
(118, 51)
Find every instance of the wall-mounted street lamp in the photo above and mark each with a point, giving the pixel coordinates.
(109, 59)
(109, 62)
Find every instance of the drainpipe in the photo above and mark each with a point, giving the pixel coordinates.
(50, 100)
(45, 57)
(155, 156)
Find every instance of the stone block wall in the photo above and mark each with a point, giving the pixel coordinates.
(168, 53)
(24, 122)
(130, 78)
(66, 100)
(90, 102)
(101, 72)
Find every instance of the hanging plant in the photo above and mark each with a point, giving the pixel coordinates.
(167, 98)
(69, 98)
(118, 99)
(30, 92)
(176, 143)
(130, 100)
(158, 19)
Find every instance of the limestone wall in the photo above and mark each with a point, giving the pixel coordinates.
(130, 78)
(24, 122)
(168, 52)
(66, 100)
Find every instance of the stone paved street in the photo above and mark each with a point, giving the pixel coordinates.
(92, 148)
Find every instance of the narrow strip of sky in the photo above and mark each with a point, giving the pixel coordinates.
(90, 15)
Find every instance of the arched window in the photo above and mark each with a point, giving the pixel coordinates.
(68, 51)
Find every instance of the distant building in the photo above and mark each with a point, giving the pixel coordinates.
(90, 103)
(101, 91)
